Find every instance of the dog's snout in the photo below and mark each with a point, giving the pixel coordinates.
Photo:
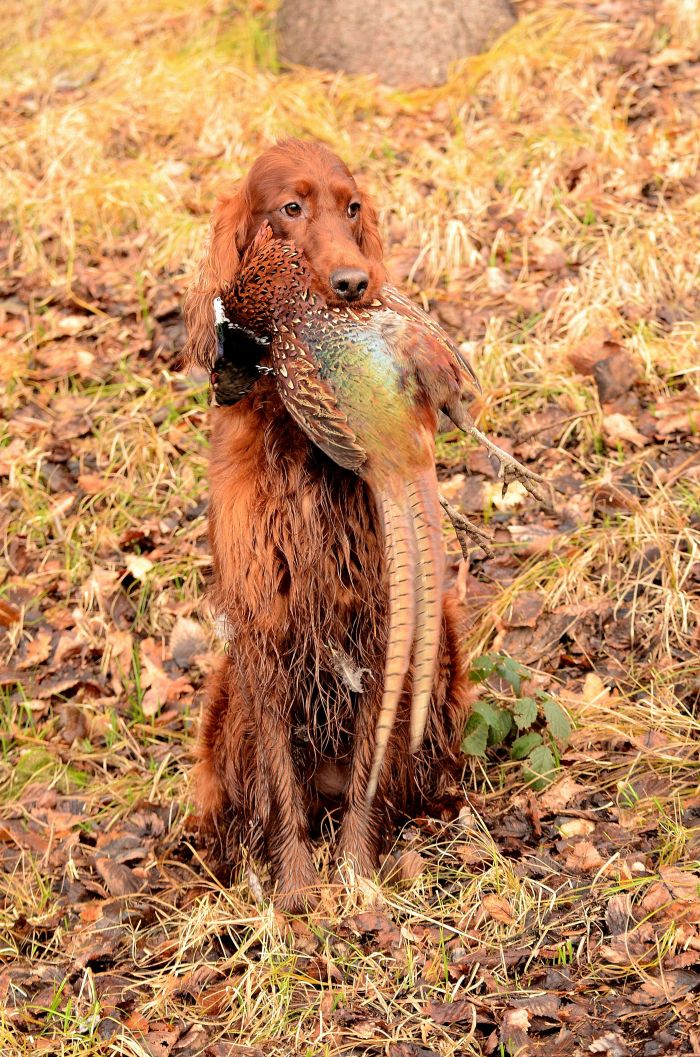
(349, 283)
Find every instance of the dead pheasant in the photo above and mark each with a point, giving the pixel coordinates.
(366, 386)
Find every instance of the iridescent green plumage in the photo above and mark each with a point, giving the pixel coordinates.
(366, 384)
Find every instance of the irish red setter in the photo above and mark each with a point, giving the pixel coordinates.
(288, 726)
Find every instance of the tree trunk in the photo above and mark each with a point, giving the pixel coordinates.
(405, 42)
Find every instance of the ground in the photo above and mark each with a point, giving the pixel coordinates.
(544, 205)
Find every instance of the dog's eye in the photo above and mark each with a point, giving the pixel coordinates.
(292, 209)
(353, 209)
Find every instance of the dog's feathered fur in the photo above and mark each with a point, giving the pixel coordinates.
(299, 573)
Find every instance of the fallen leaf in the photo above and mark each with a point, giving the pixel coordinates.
(614, 376)
(670, 986)
(451, 1012)
(682, 883)
(138, 566)
(120, 880)
(618, 427)
(91, 484)
(546, 253)
(187, 639)
(38, 650)
(583, 857)
(558, 795)
(497, 282)
(546, 1005)
(9, 614)
(611, 1044)
(514, 1030)
(498, 908)
(525, 610)
(160, 1043)
(599, 346)
(576, 827)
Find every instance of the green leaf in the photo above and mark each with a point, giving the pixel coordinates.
(498, 719)
(500, 730)
(540, 767)
(483, 667)
(524, 744)
(557, 720)
(476, 735)
(525, 712)
(511, 671)
(487, 711)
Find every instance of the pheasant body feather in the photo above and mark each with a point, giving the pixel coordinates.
(366, 384)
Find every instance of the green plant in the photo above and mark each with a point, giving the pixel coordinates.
(541, 726)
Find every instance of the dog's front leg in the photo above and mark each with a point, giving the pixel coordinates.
(285, 826)
(362, 830)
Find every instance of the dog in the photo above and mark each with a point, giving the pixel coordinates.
(287, 731)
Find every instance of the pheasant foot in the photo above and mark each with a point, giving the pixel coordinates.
(465, 530)
(512, 470)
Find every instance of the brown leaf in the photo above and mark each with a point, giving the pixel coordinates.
(595, 348)
(678, 983)
(618, 427)
(451, 1012)
(682, 883)
(498, 908)
(557, 796)
(187, 639)
(410, 864)
(91, 484)
(38, 650)
(410, 1049)
(387, 934)
(73, 723)
(611, 1044)
(546, 1005)
(514, 1028)
(161, 688)
(618, 915)
(583, 857)
(614, 376)
(678, 414)
(525, 610)
(546, 253)
(160, 1043)
(8, 613)
(120, 880)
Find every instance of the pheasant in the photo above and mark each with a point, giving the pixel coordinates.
(366, 384)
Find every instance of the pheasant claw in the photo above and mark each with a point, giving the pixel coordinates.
(465, 530)
(512, 470)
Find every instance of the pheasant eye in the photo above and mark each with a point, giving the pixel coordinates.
(292, 209)
(353, 209)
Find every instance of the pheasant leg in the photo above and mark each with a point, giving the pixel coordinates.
(465, 530)
(513, 470)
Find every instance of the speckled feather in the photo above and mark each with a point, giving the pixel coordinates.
(366, 384)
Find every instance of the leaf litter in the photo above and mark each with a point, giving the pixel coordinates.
(543, 205)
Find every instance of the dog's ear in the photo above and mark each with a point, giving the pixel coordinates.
(230, 229)
(370, 241)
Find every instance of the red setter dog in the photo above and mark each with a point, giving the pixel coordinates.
(288, 727)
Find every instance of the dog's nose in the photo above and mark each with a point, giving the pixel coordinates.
(349, 283)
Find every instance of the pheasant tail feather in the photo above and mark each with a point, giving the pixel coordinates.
(400, 547)
(425, 508)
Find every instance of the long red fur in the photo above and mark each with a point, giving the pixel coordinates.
(299, 573)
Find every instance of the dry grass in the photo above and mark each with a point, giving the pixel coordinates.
(120, 124)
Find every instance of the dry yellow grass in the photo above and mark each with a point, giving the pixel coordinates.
(121, 122)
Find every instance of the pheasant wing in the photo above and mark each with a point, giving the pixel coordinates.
(394, 299)
(313, 405)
